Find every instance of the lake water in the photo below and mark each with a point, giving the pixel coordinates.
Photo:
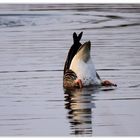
(34, 42)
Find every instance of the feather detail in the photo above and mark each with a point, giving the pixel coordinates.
(69, 79)
(83, 66)
(73, 50)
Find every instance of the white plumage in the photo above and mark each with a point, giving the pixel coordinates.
(84, 68)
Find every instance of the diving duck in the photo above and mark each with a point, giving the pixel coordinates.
(79, 69)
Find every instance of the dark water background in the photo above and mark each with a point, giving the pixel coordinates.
(34, 41)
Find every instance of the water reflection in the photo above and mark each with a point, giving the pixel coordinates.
(79, 103)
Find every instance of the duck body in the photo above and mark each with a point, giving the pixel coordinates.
(79, 69)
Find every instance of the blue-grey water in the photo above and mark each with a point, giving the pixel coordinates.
(34, 41)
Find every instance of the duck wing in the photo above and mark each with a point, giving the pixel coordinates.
(69, 78)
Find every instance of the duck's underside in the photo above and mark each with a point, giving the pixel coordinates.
(79, 69)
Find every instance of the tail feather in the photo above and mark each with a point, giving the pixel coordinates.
(73, 50)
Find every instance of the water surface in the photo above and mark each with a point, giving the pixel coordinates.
(33, 49)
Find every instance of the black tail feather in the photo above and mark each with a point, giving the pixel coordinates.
(73, 50)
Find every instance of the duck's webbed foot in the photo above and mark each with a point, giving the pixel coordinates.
(78, 83)
(108, 83)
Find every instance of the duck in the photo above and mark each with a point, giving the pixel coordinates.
(79, 69)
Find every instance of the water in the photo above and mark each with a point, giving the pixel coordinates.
(33, 49)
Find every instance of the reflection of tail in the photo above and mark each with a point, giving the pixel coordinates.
(79, 103)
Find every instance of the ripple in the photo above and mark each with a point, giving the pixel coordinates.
(26, 71)
(134, 86)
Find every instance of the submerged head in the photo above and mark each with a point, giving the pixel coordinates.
(83, 52)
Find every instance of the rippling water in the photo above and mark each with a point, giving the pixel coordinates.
(33, 48)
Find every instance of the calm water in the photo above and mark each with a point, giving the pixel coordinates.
(33, 49)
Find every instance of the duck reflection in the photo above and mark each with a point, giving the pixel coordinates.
(79, 104)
